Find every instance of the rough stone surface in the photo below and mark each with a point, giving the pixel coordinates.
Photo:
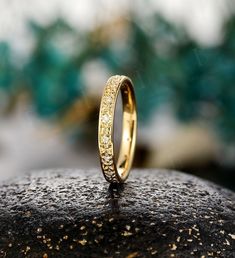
(74, 213)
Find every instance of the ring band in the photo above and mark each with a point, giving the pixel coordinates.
(117, 173)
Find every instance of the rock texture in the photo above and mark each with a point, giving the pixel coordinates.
(74, 213)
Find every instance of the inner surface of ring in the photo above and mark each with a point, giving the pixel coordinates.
(128, 129)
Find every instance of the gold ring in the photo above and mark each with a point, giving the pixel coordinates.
(117, 172)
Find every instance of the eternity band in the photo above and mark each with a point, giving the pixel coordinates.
(117, 171)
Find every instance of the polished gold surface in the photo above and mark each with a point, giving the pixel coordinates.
(117, 172)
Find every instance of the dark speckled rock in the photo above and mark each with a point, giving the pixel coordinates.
(72, 213)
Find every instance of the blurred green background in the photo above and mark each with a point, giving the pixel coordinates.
(56, 57)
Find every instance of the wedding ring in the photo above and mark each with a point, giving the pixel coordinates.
(117, 170)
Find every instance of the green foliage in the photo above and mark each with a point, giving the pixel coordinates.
(53, 78)
(166, 66)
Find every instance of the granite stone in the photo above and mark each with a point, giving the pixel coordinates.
(76, 213)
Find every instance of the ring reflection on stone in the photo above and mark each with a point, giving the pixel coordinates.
(117, 171)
